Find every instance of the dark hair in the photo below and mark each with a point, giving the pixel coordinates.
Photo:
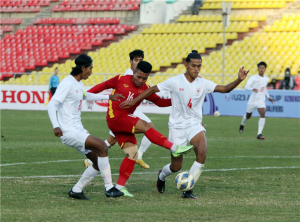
(193, 55)
(56, 68)
(144, 66)
(287, 70)
(262, 64)
(136, 53)
(81, 60)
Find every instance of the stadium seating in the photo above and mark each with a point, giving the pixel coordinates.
(10, 21)
(240, 4)
(218, 18)
(97, 5)
(38, 45)
(196, 27)
(98, 21)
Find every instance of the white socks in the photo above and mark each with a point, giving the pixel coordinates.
(244, 120)
(196, 170)
(87, 176)
(140, 155)
(104, 167)
(261, 124)
(145, 143)
(165, 172)
(107, 144)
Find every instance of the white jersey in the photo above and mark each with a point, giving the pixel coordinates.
(128, 72)
(187, 99)
(259, 83)
(70, 95)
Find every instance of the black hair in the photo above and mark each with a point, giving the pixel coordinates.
(144, 66)
(262, 64)
(56, 68)
(287, 70)
(81, 60)
(193, 55)
(136, 53)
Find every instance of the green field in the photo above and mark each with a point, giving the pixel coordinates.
(245, 179)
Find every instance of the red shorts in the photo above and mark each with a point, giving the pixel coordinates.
(123, 127)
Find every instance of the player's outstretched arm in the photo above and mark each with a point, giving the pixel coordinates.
(143, 95)
(95, 97)
(226, 89)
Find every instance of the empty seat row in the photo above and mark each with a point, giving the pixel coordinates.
(10, 21)
(245, 5)
(99, 2)
(115, 7)
(24, 3)
(26, 8)
(7, 28)
(209, 18)
(77, 21)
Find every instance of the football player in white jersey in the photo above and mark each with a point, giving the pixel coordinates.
(67, 101)
(188, 92)
(135, 57)
(258, 85)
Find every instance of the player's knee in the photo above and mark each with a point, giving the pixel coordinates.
(131, 152)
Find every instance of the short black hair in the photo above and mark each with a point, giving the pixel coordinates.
(262, 63)
(193, 55)
(144, 66)
(81, 60)
(136, 53)
(56, 68)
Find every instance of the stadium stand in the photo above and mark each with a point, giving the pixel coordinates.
(96, 21)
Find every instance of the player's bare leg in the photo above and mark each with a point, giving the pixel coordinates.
(99, 157)
(245, 118)
(127, 166)
(111, 140)
(261, 122)
(145, 143)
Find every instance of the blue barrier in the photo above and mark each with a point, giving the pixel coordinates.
(286, 103)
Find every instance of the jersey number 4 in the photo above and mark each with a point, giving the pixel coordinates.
(190, 104)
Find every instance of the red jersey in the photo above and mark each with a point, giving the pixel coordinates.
(122, 84)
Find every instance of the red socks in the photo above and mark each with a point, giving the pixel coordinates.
(126, 169)
(158, 139)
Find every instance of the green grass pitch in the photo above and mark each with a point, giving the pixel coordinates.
(245, 179)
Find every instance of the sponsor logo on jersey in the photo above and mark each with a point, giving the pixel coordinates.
(140, 91)
(126, 85)
(181, 89)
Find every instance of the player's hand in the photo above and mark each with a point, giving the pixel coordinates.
(270, 99)
(255, 90)
(58, 132)
(126, 104)
(242, 74)
(115, 97)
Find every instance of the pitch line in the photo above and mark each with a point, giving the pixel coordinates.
(212, 157)
(139, 173)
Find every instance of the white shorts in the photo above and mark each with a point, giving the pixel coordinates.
(76, 139)
(182, 136)
(138, 114)
(251, 107)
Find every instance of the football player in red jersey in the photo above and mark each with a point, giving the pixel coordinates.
(124, 124)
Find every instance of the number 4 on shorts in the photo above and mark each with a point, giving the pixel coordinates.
(190, 104)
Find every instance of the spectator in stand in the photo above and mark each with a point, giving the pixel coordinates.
(54, 81)
(288, 82)
(195, 7)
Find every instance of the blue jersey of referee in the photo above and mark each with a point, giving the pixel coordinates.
(54, 81)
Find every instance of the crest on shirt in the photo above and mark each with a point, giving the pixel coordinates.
(76, 91)
(126, 85)
(90, 104)
(140, 91)
(198, 90)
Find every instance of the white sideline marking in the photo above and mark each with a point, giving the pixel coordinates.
(115, 174)
(212, 157)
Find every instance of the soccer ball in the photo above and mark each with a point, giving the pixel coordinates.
(184, 181)
(217, 113)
